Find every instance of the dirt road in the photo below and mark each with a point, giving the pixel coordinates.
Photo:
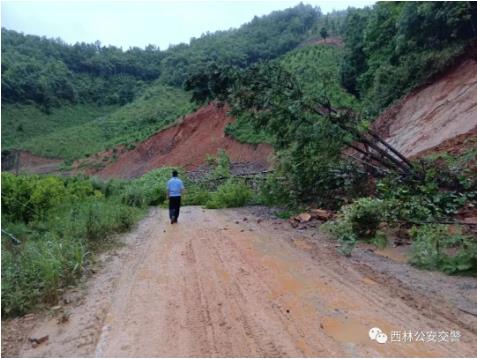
(221, 284)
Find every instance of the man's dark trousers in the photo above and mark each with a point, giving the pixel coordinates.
(174, 207)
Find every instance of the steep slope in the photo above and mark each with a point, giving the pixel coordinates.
(187, 144)
(441, 111)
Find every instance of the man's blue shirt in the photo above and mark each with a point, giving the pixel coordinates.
(175, 187)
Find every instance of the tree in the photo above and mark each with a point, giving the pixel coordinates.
(324, 33)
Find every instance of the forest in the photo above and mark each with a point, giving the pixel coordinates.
(50, 72)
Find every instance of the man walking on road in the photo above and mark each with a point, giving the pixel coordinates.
(174, 191)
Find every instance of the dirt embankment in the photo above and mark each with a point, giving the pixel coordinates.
(439, 112)
(24, 161)
(187, 144)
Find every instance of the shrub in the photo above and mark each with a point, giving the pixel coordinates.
(16, 195)
(365, 215)
(233, 193)
(134, 195)
(196, 195)
(434, 247)
(47, 192)
(58, 222)
(276, 191)
(38, 270)
(221, 164)
(81, 189)
(358, 221)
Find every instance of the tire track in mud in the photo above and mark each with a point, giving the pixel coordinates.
(215, 286)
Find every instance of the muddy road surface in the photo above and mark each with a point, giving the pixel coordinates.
(222, 283)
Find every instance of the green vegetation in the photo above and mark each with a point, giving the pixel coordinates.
(75, 131)
(416, 208)
(72, 101)
(24, 123)
(62, 222)
(436, 247)
(50, 72)
(396, 46)
(59, 222)
(233, 193)
(243, 131)
(357, 221)
(316, 71)
(60, 100)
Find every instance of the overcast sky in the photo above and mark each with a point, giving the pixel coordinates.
(139, 23)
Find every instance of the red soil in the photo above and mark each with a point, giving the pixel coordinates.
(435, 113)
(187, 145)
(455, 146)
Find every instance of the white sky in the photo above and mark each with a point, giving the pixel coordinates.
(139, 23)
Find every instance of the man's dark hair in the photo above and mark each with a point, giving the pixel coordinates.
(174, 173)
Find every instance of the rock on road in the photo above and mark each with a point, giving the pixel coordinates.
(218, 284)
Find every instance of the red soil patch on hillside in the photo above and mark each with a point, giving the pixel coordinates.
(434, 113)
(187, 145)
(455, 146)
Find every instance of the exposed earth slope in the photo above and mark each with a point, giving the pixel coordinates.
(187, 144)
(443, 110)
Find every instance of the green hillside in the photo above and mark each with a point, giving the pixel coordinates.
(75, 131)
(69, 101)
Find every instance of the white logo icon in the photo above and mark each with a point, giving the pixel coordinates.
(378, 335)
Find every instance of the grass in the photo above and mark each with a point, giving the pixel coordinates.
(60, 223)
(73, 132)
(23, 124)
(243, 131)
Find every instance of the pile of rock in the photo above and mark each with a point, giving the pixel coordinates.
(313, 214)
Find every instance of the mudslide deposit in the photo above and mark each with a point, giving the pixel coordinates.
(188, 144)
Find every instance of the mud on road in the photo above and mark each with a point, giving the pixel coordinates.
(221, 283)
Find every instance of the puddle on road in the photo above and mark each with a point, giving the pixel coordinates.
(367, 280)
(398, 254)
(302, 244)
(345, 330)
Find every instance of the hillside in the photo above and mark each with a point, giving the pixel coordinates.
(434, 114)
(316, 68)
(187, 144)
(70, 132)
(71, 101)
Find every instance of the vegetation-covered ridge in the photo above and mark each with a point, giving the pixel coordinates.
(56, 97)
(396, 46)
(49, 71)
(78, 130)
